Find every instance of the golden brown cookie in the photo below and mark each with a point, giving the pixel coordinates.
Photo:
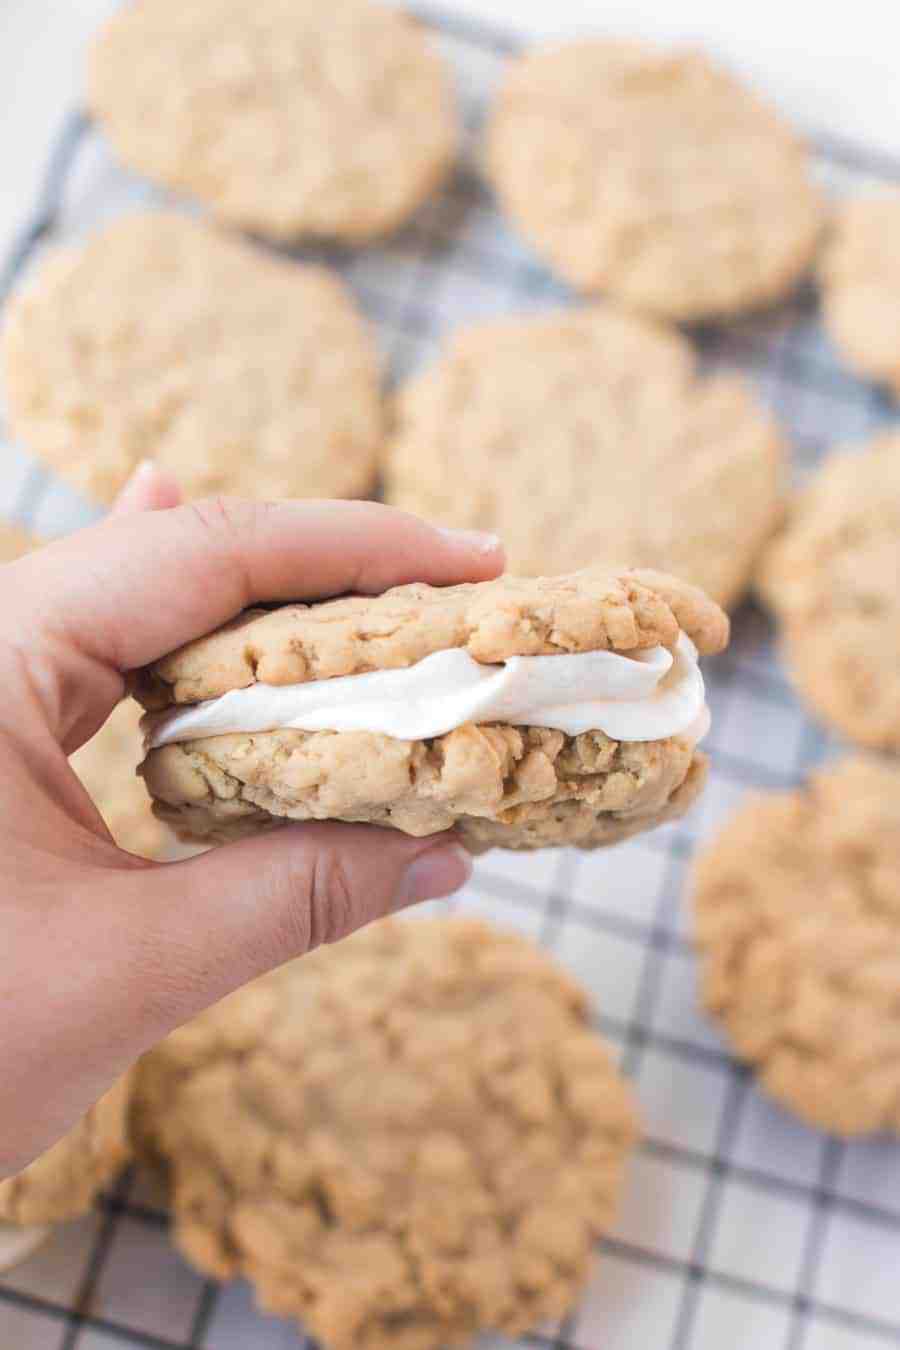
(589, 435)
(107, 766)
(238, 371)
(402, 1140)
(285, 117)
(516, 786)
(655, 176)
(62, 1183)
(833, 579)
(860, 277)
(797, 915)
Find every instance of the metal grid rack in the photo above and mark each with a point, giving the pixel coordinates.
(739, 1226)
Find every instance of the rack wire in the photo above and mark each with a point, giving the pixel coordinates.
(739, 1227)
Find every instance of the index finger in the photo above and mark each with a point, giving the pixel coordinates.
(130, 590)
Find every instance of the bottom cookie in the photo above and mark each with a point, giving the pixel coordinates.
(402, 1140)
(501, 786)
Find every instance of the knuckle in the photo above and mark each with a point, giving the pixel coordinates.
(332, 911)
(230, 517)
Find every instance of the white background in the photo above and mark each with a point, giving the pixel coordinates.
(834, 66)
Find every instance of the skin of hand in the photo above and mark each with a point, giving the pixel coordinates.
(105, 953)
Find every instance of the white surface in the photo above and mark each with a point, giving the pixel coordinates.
(833, 67)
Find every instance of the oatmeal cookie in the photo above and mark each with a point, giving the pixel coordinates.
(161, 337)
(655, 176)
(284, 117)
(797, 918)
(402, 1140)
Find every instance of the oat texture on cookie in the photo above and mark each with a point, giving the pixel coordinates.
(832, 579)
(162, 337)
(586, 435)
(860, 278)
(285, 117)
(663, 180)
(797, 918)
(402, 1140)
(62, 1183)
(500, 785)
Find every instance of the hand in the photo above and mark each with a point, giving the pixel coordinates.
(105, 953)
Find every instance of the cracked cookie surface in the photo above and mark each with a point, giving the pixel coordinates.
(162, 337)
(663, 180)
(587, 436)
(860, 277)
(596, 609)
(402, 1140)
(832, 579)
(797, 918)
(62, 1183)
(285, 117)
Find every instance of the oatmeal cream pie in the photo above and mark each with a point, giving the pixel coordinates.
(526, 712)
(403, 1140)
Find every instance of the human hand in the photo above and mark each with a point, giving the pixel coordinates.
(105, 953)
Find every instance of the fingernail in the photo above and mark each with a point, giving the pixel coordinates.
(438, 872)
(481, 541)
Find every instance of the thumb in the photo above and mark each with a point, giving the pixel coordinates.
(208, 925)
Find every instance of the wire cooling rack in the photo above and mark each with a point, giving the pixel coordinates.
(739, 1227)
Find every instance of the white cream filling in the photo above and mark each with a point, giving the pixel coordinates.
(644, 696)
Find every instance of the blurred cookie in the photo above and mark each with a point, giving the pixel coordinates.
(797, 916)
(107, 766)
(833, 579)
(860, 276)
(587, 435)
(655, 176)
(238, 371)
(14, 542)
(285, 117)
(524, 712)
(62, 1183)
(401, 1140)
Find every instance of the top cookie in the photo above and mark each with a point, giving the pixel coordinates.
(860, 275)
(62, 1183)
(286, 117)
(161, 337)
(591, 610)
(797, 913)
(403, 1140)
(662, 180)
(587, 435)
(832, 578)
